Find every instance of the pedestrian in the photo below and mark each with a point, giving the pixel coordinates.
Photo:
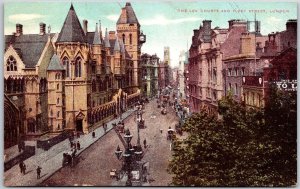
(93, 134)
(38, 172)
(19, 146)
(145, 143)
(24, 168)
(78, 145)
(104, 127)
(21, 166)
(161, 130)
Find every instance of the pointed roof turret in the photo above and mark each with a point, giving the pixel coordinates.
(100, 31)
(97, 40)
(71, 30)
(117, 45)
(106, 39)
(55, 63)
(127, 15)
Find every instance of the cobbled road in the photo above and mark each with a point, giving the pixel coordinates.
(96, 162)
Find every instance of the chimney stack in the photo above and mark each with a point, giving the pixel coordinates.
(19, 29)
(42, 28)
(248, 45)
(206, 31)
(85, 26)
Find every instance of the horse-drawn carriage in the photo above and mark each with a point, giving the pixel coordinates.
(163, 111)
(119, 127)
(170, 134)
(141, 123)
(68, 158)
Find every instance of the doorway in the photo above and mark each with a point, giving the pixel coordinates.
(79, 125)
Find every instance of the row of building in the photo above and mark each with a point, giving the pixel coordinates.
(74, 80)
(236, 61)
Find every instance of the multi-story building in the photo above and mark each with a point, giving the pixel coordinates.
(149, 71)
(206, 69)
(71, 81)
(182, 63)
(167, 59)
(128, 29)
(255, 52)
(281, 72)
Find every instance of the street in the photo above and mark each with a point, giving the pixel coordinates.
(96, 161)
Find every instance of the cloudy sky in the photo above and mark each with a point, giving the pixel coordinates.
(165, 23)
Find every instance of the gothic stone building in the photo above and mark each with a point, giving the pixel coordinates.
(73, 80)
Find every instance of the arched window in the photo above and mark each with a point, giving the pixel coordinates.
(130, 39)
(57, 86)
(58, 114)
(78, 67)
(11, 64)
(57, 101)
(123, 37)
(51, 113)
(66, 65)
(94, 86)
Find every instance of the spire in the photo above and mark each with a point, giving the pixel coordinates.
(55, 63)
(127, 15)
(97, 40)
(100, 30)
(106, 39)
(117, 45)
(71, 30)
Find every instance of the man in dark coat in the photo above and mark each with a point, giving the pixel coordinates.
(38, 172)
(78, 145)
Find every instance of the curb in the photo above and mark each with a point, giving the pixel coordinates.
(40, 184)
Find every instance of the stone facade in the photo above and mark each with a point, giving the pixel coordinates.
(149, 64)
(71, 81)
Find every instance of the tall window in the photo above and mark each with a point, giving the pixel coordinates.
(130, 39)
(66, 66)
(235, 89)
(123, 37)
(93, 86)
(78, 67)
(11, 64)
(58, 114)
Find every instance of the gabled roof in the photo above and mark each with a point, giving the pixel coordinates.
(97, 40)
(28, 46)
(55, 63)
(71, 30)
(128, 16)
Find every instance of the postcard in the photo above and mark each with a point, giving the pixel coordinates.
(170, 93)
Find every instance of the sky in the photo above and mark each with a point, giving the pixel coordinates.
(165, 23)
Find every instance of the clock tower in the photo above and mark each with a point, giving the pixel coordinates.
(128, 29)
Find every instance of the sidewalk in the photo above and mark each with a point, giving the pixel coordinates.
(51, 161)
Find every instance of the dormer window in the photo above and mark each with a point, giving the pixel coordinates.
(11, 64)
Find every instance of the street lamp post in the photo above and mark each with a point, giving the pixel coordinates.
(130, 156)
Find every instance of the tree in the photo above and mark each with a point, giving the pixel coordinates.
(247, 147)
